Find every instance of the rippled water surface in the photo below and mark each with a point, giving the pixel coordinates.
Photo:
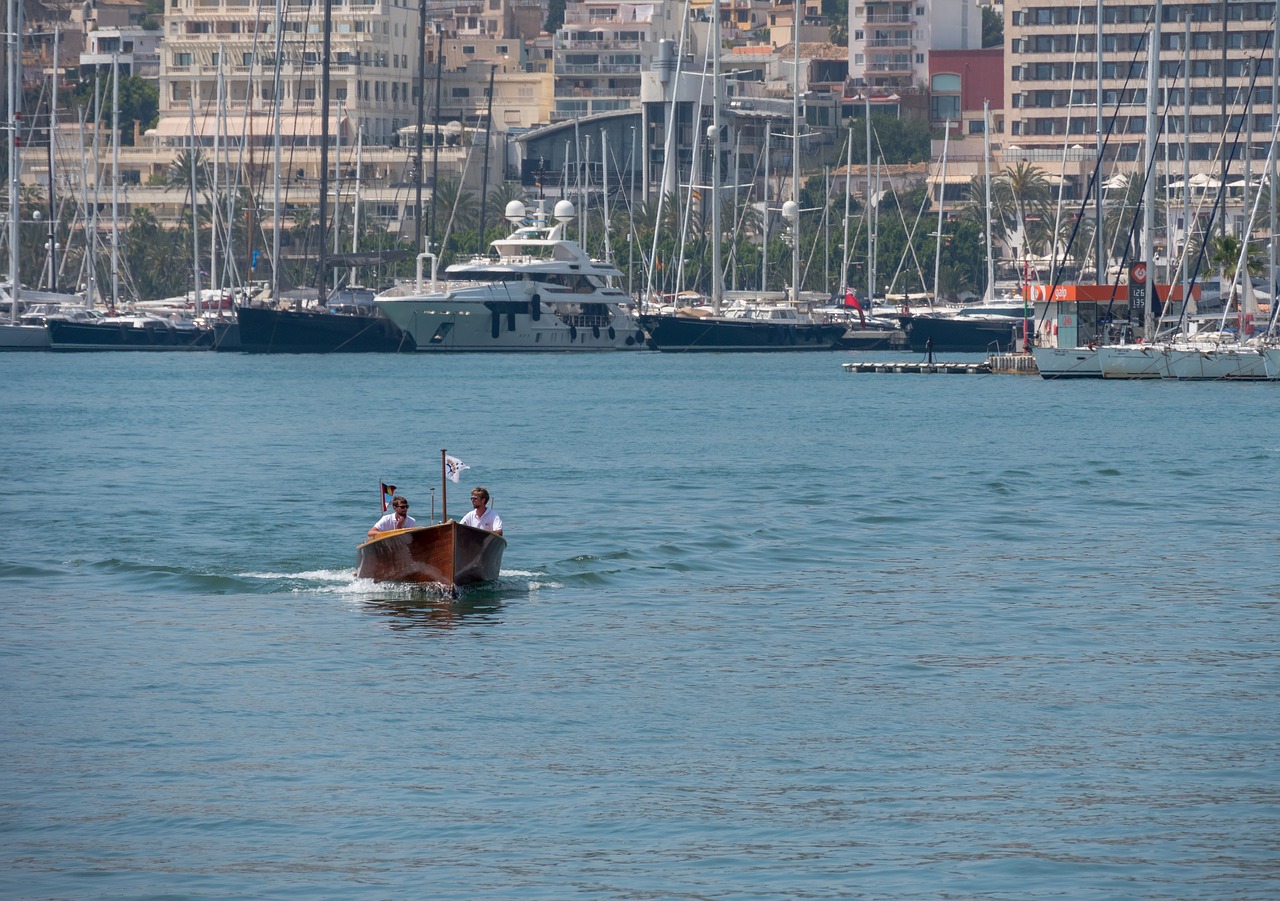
(765, 629)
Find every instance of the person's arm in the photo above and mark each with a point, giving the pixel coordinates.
(373, 531)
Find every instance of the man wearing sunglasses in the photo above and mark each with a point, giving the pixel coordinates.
(398, 518)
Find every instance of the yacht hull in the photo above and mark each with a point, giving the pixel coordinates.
(67, 335)
(1243, 364)
(269, 331)
(1067, 362)
(1131, 361)
(445, 324)
(712, 333)
(964, 334)
(16, 336)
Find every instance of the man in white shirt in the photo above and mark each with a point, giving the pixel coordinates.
(479, 517)
(398, 518)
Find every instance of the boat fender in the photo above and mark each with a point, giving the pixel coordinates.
(639, 336)
(573, 333)
(595, 331)
(535, 307)
(612, 334)
(495, 324)
(791, 334)
(631, 342)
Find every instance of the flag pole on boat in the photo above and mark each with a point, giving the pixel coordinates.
(444, 489)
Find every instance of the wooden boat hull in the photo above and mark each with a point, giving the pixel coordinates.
(449, 553)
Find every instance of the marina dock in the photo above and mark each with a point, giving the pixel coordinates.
(999, 364)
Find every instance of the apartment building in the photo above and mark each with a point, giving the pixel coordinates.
(232, 43)
(1053, 61)
(601, 50)
(890, 40)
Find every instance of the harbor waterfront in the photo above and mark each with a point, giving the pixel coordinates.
(763, 630)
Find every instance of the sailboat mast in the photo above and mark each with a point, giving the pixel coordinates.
(484, 175)
(1099, 275)
(717, 285)
(1275, 110)
(764, 245)
(53, 206)
(604, 190)
(195, 203)
(355, 208)
(871, 208)
(1186, 159)
(215, 277)
(795, 155)
(986, 156)
(322, 254)
(278, 106)
(14, 57)
(848, 193)
(422, 102)
(1149, 191)
(942, 187)
(115, 178)
(337, 195)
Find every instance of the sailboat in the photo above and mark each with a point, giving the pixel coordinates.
(340, 322)
(773, 327)
(14, 334)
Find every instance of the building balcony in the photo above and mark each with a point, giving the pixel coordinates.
(579, 44)
(891, 43)
(890, 66)
(599, 69)
(890, 19)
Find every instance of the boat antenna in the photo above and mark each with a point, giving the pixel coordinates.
(444, 489)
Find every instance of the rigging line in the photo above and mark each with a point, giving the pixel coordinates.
(669, 149)
(1094, 180)
(1066, 135)
(910, 232)
(1222, 189)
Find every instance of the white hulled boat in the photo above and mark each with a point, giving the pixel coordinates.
(1132, 361)
(1207, 360)
(538, 292)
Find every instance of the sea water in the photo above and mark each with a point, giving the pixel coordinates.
(765, 629)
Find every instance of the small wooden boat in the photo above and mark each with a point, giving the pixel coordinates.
(448, 553)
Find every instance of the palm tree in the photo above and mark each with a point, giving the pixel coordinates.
(1027, 186)
(499, 197)
(179, 173)
(1224, 254)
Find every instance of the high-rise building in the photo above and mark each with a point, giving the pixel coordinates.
(1053, 61)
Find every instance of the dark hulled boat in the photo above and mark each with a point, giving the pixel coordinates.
(126, 333)
(448, 553)
(677, 333)
(978, 329)
(265, 330)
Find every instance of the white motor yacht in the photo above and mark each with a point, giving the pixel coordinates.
(538, 291)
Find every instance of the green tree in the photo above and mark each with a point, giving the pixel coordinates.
(555, 15)
(898, 140)
(992, 28)
(139, 102)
